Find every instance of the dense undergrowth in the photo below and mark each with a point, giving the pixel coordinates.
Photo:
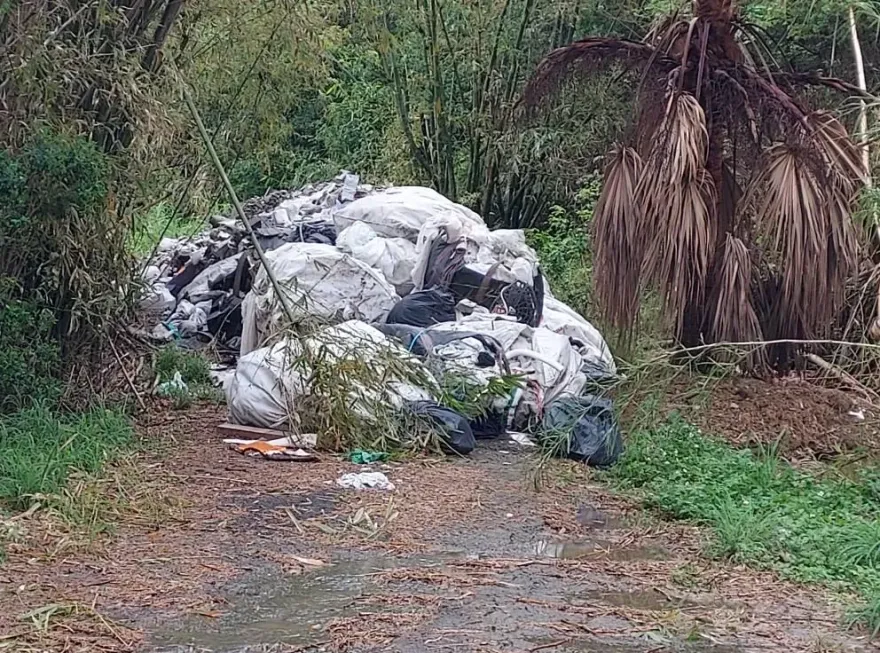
(760, 510)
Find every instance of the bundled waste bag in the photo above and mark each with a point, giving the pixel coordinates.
(459, 437)
(423, 309)
(589, 425)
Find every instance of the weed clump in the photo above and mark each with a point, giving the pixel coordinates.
(184, 377)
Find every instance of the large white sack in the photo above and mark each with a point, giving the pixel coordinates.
(401, 212)
(546, 359)
(395, 258)
(269, 384)
(265, 386)
(321, 283)
(562, 319)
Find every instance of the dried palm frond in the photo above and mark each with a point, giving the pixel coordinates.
(586, 55)
(678, 200)
(618, 243)
(735, 318)
(715, 11)
(838, 150)
(806, 218)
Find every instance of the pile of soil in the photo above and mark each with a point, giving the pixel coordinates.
(806, 419)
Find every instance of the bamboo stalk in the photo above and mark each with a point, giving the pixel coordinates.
(212, 153)
(862, 125)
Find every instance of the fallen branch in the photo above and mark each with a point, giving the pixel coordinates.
(840, 374)
(127, 376)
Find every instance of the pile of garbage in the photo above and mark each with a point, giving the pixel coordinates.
(386, 275)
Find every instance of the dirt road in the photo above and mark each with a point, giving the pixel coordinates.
(221, 553)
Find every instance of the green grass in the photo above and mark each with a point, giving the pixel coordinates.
(39, 450)
(760, 510)
(148, 229)
(195, 371)
(193, 367)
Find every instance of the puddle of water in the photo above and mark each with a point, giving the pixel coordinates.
(271, 609)
(573, 550)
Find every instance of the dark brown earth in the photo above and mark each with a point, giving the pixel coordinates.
(216, 552)
(796, 413)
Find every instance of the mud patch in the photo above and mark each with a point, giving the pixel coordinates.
(578, 549)
(806, 419)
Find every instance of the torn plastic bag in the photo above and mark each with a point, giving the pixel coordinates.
(393, 257)
(541, 356)
(599, 363)
(218, 276)
(401, 212)
(157, 300)
(423, 309)
(322, 284)
(458, 435)
(445, 243)
(588, 427)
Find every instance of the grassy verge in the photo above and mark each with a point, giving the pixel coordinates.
(39, 450)
(761, 511)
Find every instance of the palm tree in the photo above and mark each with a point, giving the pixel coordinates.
(730, 198)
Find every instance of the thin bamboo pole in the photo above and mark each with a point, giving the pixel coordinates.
(212, 153)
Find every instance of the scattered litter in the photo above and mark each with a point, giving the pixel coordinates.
(308, 562)
(247, 434)
(364, 481)
(361, 457)
(858, 415)
(274, 452)
(523, 439)
(173, 387)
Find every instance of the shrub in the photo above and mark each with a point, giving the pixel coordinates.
(60, 238)
(29, 356)
(563, 246)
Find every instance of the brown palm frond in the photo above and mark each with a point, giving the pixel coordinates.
(678, 200)
(766, 95)
(715, 11)
(838, 150)
(796, 79)
(618, 243)
(806, 218)
(586, 55)
(735, 318)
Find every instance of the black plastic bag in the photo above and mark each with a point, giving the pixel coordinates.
(459, 437)
(584, 428)
(423, 309)
(489, 426)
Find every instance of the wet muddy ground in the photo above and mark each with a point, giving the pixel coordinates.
(238, 555)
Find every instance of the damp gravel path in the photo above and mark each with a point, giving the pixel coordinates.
(476, 554)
